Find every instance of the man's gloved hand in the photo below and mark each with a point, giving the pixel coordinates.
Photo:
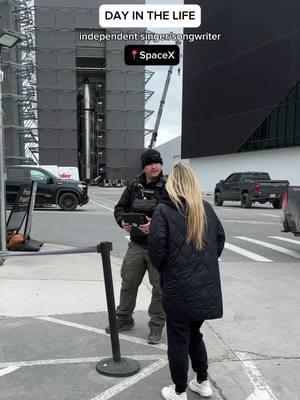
(126, 226)
(145, 227)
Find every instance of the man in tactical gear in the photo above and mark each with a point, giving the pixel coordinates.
(141, 196)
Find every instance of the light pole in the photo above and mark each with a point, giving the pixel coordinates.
(8, 38)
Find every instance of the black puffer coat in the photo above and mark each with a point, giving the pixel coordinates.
(190, 279)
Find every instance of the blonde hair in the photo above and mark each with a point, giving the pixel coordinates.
(183, 187)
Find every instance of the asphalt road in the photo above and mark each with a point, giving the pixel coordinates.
(251, 234)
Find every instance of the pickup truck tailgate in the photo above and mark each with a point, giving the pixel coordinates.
(273, 187)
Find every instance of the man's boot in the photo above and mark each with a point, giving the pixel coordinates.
(155, 335)
(122, 325)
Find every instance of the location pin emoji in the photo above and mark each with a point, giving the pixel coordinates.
(134, 53)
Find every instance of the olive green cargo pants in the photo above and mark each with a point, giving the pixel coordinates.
(135, 264)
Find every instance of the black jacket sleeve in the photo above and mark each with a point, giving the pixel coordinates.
(157, 239)
(123, 205)
(220, 234)
(220, 237)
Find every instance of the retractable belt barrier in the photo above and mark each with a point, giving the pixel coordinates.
(116, 366)
(79, 250)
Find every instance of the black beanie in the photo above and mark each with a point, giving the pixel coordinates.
(150, 156)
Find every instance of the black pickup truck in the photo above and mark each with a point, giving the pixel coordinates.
(250, 187)
(291, 210)
(67, 194)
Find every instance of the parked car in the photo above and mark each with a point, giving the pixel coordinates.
(118, 183)
(67, 194)
(291, 210)
(250, 187)
(106, 183)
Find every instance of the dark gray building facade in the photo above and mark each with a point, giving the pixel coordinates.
(241, 93)
(84, 87)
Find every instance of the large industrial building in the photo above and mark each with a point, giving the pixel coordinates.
(90, 104)
(69, 98)
(241, 95)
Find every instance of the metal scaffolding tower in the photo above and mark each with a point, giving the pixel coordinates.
(24, 16)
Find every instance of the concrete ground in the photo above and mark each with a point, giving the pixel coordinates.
(53, 314)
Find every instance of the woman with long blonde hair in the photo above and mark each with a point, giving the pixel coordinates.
(185, 241)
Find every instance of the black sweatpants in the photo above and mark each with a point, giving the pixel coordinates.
(184, 340)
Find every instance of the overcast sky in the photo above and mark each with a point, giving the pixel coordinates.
(170, 125)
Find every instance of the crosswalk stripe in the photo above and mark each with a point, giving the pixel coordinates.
(257, 257)
(271, 215)
(101, 205)
(286, 239)
(246, 253)
(280, 249)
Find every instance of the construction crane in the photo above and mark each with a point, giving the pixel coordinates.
(162, 104)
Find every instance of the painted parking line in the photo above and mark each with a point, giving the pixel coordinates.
(250, 221)
(132, 339)
(8, 370)
(261, 390)
(125, 384)
(101, 205)
(274, 247)
(246, 253)
(14, 365)
(160, 361)
(270, 215)
(286, 239)
(102, 198)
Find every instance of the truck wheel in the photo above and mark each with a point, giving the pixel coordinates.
(277, 204)
(218, 199)
(285, 225)
(245, 201)
(68, 201)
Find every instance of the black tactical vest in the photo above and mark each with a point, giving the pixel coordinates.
(145, 199)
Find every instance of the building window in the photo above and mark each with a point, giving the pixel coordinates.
(281, 128)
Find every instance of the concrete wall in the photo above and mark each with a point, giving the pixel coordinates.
(170, 152)
(279, 163)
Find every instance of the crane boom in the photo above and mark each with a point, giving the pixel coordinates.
(162, 103)
(161, 107)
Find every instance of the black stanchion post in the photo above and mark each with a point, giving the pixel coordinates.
(116, 366)
(105, 248)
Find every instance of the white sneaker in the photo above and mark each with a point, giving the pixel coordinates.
(168, 393)
(203, 388)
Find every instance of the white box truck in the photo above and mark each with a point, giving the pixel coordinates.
(63, 172)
